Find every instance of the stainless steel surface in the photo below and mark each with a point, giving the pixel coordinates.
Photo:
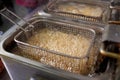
(112, 33)
(52, 8)
(19, 69)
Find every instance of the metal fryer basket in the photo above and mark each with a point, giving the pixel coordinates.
(66, 11)
(77, 64)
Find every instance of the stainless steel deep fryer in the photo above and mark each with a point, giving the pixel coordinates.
(53, 8)
(81, 65)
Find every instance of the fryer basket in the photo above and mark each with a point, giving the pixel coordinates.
(76, 64)
(71, 9)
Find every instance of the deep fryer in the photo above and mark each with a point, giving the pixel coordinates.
(92, 35)
(81, 29)
(9, 42)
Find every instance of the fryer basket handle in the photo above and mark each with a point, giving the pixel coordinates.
(114, 22)
(109, 53)
(9, 15)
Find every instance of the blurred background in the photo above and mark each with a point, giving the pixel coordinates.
(20, 8)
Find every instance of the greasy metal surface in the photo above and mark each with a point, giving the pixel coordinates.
(52, 8)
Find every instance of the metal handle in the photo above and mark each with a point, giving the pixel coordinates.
(109, 54)
(8, 14)
(114, 22)
(115, 7)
